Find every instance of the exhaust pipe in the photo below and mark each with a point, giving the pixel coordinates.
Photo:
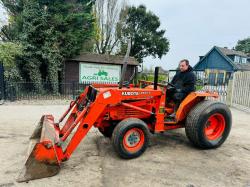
(156, 77)
(125, 62)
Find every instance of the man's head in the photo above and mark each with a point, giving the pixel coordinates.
(183, 65)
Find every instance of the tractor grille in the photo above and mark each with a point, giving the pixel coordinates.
(129, 112)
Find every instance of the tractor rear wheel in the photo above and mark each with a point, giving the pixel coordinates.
(208, 124)
(130, 138)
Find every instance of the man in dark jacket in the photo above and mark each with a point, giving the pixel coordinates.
(184, 81)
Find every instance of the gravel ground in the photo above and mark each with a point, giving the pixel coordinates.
(169, 161)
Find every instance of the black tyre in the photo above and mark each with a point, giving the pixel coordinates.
(208, 124)
(107, 131)
(130, 138)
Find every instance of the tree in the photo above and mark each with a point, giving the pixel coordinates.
(109, 14)
(244, 46)
(147, 39)
(8, 54)
(49, 31)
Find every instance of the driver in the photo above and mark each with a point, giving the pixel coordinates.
(184, 82)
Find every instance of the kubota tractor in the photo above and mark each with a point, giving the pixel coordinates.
(127, 114)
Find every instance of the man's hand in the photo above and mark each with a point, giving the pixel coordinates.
(178, 90)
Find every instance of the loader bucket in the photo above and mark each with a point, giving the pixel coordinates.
(43, 152)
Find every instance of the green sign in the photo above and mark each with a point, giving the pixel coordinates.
(90, 72)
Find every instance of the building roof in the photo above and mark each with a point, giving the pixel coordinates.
(238, 66)
(227, 51)
(243, 67)
(104, 59)
(221, 53)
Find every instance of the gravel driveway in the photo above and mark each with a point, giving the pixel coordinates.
(169, 161)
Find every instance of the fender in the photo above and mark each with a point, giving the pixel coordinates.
(190, 101)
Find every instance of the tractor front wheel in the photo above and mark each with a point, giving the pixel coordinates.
(130, 138)
(208, 124)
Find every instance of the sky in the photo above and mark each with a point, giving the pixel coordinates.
(3, 16)
(193, 27)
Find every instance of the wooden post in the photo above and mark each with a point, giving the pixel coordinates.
(229, 93)
(2, 91)
(232, 88)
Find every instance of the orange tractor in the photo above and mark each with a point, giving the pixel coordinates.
(127, 114)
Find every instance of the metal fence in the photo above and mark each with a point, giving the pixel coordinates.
(222, 90)
(28, 90)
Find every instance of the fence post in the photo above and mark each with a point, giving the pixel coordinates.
(2, 92)
(230, 91)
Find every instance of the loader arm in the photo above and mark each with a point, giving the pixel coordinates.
(47, 153)
(95, 110)
(85, 112)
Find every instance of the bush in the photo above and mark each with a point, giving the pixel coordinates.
(8, 53)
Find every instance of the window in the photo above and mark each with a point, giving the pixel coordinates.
(211, 79)
(237, 59)
(243, 60)
(220, 78)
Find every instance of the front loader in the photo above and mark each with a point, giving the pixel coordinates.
(127, 114)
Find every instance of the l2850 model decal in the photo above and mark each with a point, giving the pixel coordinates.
(135, 93)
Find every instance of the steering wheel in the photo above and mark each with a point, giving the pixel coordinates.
(170, 84)
(125, 83)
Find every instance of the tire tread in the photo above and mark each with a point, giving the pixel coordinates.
(192, 125)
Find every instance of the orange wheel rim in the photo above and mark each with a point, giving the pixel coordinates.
(215, 126)
(133, 140)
